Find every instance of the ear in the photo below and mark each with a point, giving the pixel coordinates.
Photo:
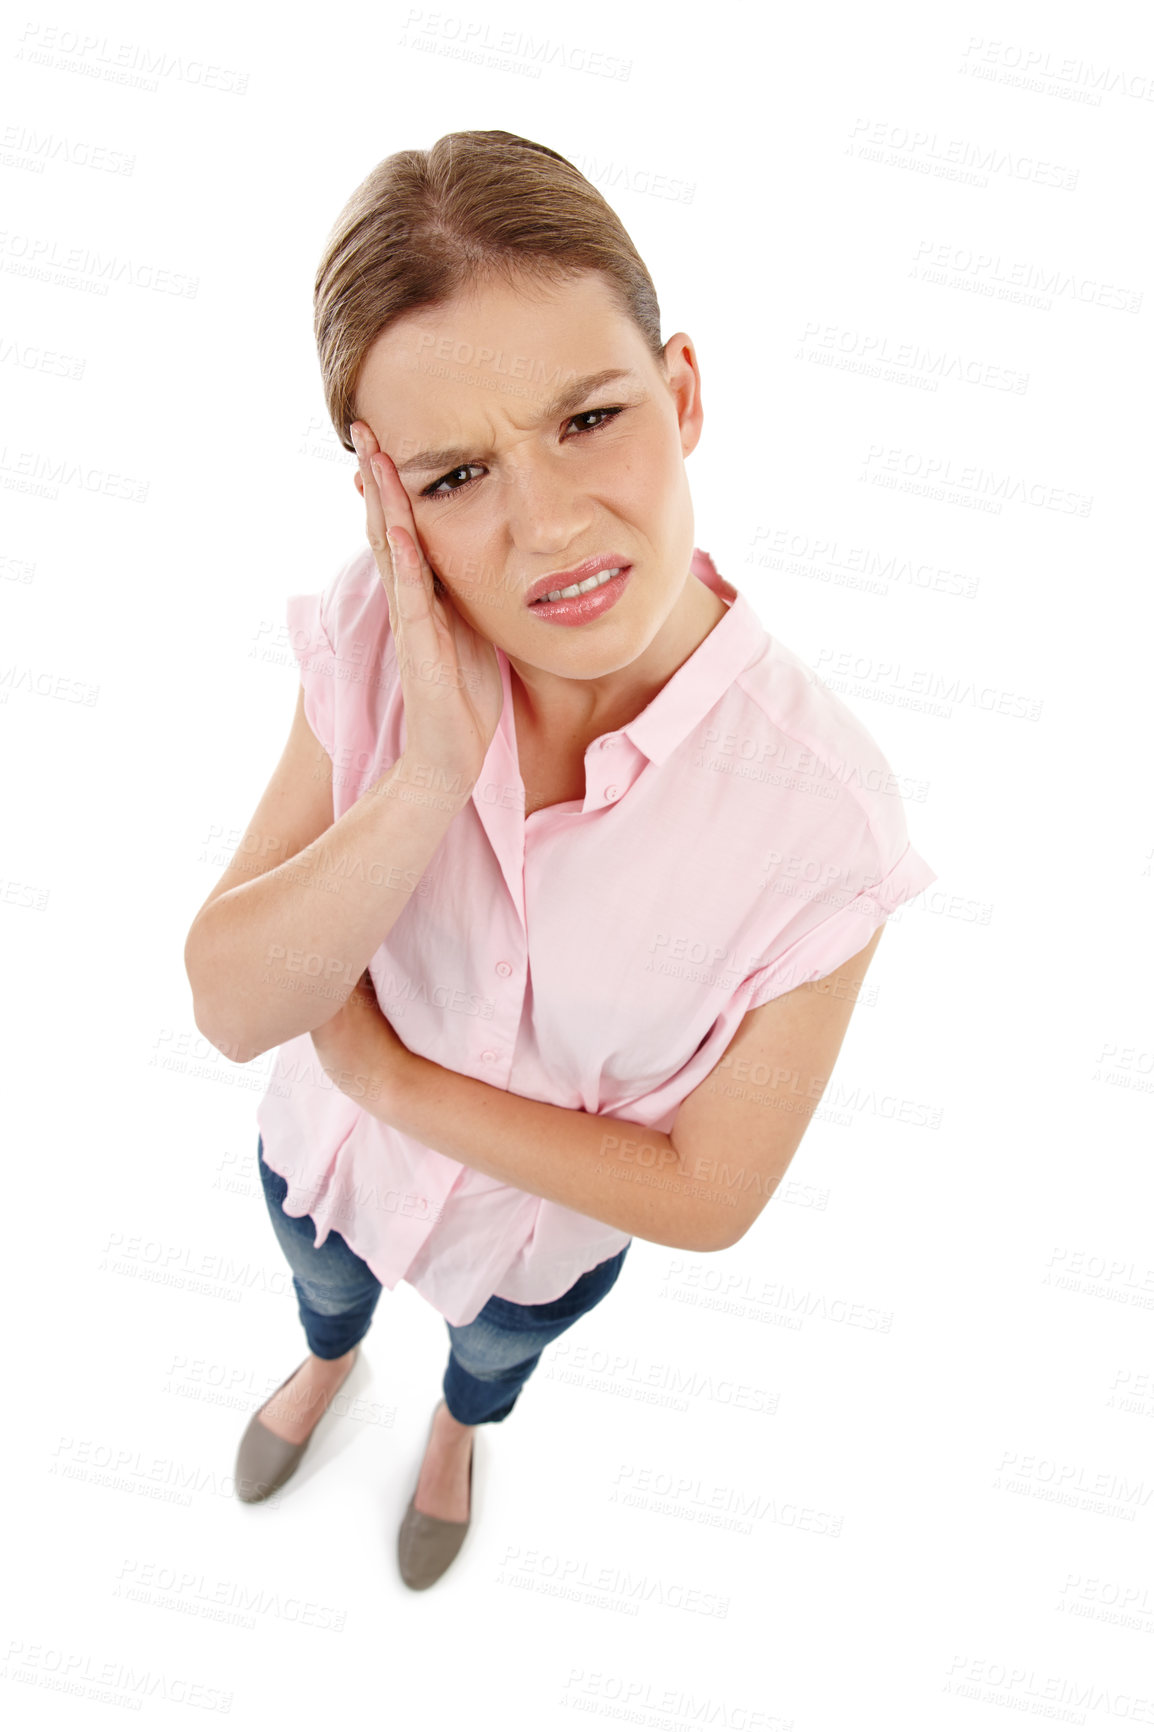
(685, 388)
(358, 482)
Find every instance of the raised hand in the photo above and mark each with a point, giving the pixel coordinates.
(450, 677)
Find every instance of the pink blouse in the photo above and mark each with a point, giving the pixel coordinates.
(740, 836)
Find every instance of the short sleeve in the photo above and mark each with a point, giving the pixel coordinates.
(317, 659)
(845, 886)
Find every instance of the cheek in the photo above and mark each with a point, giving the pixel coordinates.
(640, 482)
(646, 462)
(453, 551)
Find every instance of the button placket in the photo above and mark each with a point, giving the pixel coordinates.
(507, 971)
(603, 745)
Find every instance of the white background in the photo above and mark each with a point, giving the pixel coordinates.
(888, 1460)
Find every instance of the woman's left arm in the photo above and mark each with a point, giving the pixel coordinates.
(699, 1189)
(611, 1169)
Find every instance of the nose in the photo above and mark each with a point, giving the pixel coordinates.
(545, 514)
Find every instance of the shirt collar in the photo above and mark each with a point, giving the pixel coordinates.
(736, 641)
(690, 693)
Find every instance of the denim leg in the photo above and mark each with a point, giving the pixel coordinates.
(336, 1290)
(491, 1358)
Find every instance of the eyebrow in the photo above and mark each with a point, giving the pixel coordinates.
(454, 456)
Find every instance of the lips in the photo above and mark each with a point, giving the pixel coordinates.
(566, 579)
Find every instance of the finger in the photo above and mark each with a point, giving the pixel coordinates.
(395, 502)
(415, 586)
(410, 586)
(375, 517)
(377, 529)
(397, 506)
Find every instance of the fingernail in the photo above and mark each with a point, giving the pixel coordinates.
(355, 437)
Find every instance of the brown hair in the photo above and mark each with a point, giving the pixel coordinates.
(426, 224)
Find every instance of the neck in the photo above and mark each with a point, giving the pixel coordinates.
(561, 709)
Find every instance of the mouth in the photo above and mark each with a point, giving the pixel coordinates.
(590, 603)
(567, 585)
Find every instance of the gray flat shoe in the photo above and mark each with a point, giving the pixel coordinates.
(265, 1461)
(426, 1544)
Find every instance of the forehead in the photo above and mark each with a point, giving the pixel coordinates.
(504, 351)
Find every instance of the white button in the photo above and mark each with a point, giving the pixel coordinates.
(607, 741)
(612, 793)
(489, 1057)
(503, 968)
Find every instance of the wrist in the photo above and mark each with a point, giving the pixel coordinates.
(446, 787)
(389, 1085)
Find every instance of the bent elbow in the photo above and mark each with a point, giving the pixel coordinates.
(235, 1050)
(706, 1234)
(725, 1238)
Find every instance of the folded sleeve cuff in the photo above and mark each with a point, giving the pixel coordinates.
(317, 660)
(832, 941)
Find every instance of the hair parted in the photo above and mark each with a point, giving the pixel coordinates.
(426, 224)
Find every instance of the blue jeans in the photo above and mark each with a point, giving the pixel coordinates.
(489, 1359)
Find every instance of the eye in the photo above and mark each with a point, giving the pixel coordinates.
(433, 491)
(585, 412)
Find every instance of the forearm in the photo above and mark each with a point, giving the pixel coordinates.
(277, 957)
(610, 1169)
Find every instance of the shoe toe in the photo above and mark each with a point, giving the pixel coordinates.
(427, 1544)
(264, 1462)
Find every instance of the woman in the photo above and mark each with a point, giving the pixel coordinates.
(562, 904)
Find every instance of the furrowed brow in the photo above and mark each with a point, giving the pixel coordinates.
(566, 403)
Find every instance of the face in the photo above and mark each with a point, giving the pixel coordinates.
(507, 487)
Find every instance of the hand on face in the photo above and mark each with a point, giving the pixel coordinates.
(450, 677)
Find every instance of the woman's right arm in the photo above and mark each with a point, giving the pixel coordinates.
(285, 935)
(274, 956)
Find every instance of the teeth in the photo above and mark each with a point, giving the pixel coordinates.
(581, 588)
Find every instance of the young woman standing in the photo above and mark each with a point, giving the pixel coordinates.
(570, 871)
